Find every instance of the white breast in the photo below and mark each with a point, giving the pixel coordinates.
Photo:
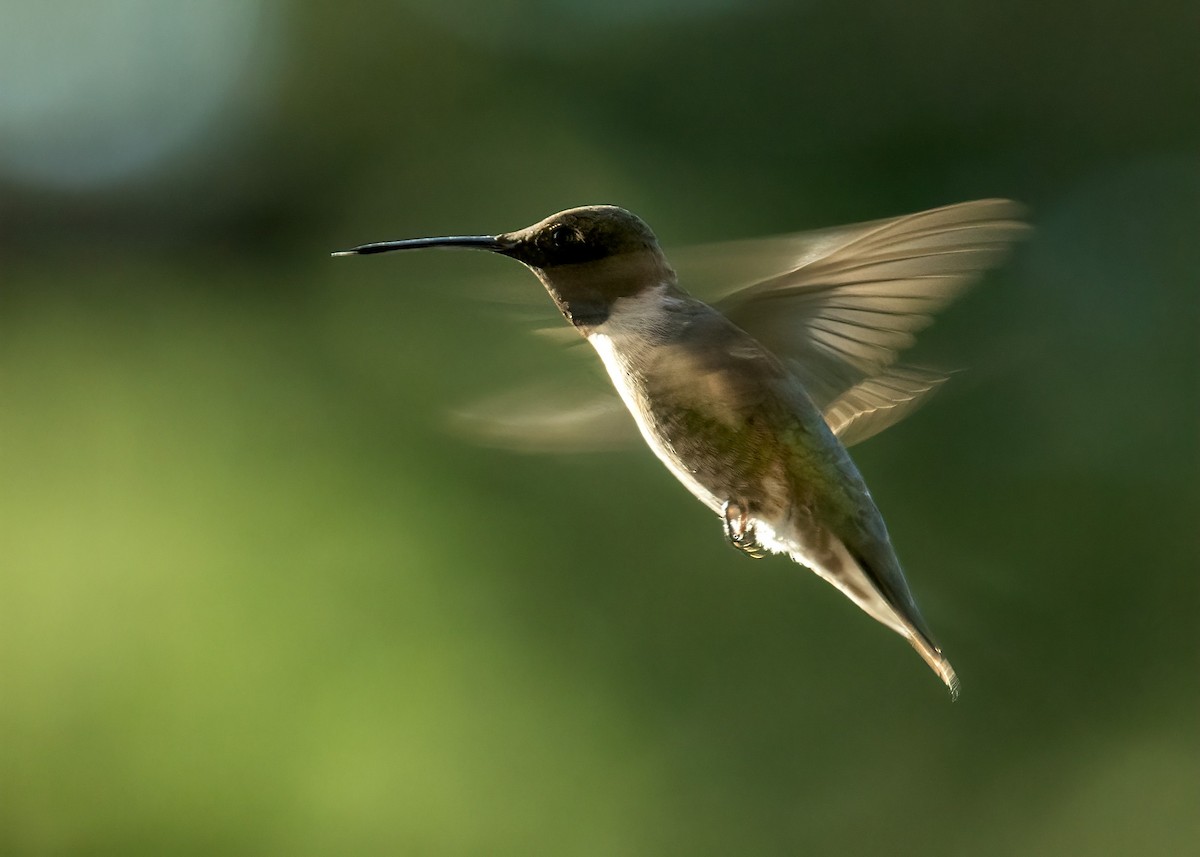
(635, 326)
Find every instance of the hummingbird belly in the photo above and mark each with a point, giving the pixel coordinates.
(712, 416)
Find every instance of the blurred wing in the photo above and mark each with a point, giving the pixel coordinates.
(844, 303)
(546, 417)
(566, 410)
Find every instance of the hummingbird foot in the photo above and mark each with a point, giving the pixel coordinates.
(739, 531)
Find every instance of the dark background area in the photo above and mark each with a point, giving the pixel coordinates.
(256, 598)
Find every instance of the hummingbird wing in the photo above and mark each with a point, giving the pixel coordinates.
(878, 402)
(547, 417)
(565, 409)
(843, 303)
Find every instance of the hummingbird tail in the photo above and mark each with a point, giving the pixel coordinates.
(881, 591)
(933, 656)
(885, 599)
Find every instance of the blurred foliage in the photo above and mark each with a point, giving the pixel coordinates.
(254, 598)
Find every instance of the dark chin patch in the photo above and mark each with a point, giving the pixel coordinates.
(586, 313)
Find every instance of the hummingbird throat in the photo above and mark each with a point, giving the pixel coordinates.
(586, 292)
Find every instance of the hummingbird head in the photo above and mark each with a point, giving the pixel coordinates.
(587, 258)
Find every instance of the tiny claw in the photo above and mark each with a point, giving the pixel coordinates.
(739, 531)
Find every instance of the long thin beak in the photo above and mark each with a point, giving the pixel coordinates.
(495, 243)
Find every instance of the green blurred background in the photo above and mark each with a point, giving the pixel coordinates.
(255, 598)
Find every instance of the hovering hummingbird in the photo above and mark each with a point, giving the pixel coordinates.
(751, 401)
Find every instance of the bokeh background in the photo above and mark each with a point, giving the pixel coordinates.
(256, 598)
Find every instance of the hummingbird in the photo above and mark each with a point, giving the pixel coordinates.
(751, 401)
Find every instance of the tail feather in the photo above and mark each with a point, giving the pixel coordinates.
(933, 656)
(883, 597)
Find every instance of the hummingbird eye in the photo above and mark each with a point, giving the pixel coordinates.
(562, 237)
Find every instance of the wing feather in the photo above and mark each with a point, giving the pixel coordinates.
(845, 303)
